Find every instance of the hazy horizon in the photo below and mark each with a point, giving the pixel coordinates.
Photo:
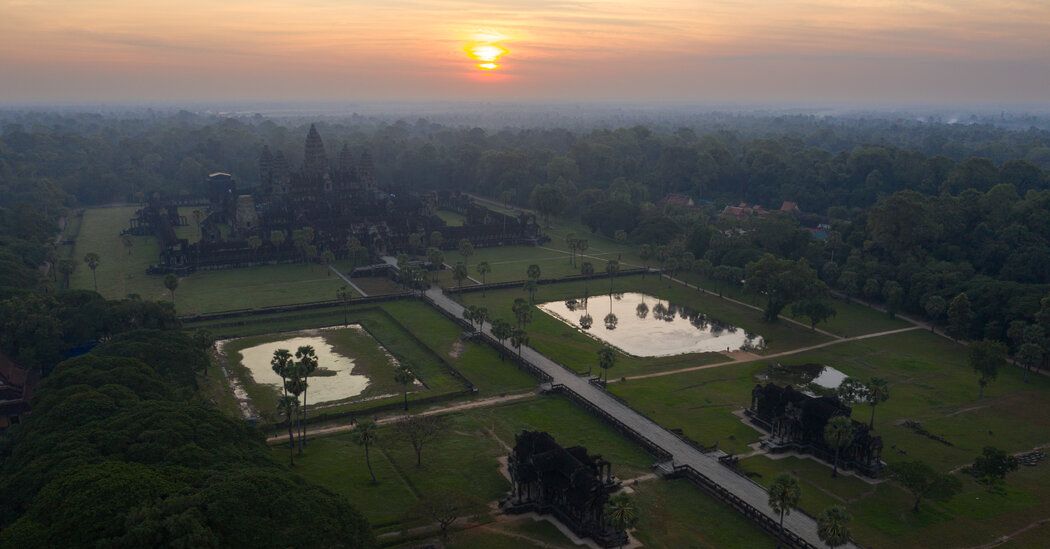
(561, 51)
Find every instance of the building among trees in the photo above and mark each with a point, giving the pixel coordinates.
(795, 422)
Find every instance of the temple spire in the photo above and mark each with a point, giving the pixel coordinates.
(315, 160)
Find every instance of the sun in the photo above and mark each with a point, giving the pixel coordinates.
(485, 50)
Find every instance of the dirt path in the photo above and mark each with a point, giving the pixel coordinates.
(745, 357)
(492, 401)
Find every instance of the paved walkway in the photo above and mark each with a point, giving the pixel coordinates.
(680, 452)
(348, 281)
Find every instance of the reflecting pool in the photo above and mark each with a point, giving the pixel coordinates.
(641, 325)
(333, 381)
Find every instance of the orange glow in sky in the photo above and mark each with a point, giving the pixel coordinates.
(631, 50)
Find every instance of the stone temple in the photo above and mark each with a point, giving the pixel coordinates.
(294, 215)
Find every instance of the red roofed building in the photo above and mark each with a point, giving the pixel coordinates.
(743, 210)
(16, 389)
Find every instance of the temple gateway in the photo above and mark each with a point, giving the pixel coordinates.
(568, 483)
(795, 421)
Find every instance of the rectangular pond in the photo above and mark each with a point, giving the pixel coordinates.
(645, 326)
(337, 377)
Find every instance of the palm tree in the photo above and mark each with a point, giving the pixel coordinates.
(784, 494)
(307, 364)
(365, 435)
(344, 295)
(327, 258)
(66, 268)
(587, 270)
(281, 361)
(171, 282)
(518, 338)
(296, 385)
(289, 407)
(501, 330)
(405, 377)
(533, 272)
(530, 286)
(459, 272)
(435, 257)
(833, 526)
(570, 242)
(521, 310)
(838, 433)
(612, 268)
(128, 241)
(878, 391)
(483, 269)
(466, 249)
(622, 513)
(606, 359)
(93, 260)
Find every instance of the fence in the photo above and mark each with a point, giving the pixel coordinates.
(237, 313)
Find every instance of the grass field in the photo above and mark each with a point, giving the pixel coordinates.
(930, 382)
(576, 350)
(674, 514)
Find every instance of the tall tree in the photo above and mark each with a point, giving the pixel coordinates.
(171, 282)
(66, 268)
(365, 434)
(466, 250)
(784, 494)
(280, 363)
(93, 261)
(483, 269)
(533, 272)
(344, 295)
(816, 310)
(783, 282)
(587, 270)
(838, 434)
(128, 241)
(990, 468)
(873, 393)
(296, 384)
(833, 526)
(459, 272)
(622, 513)
(922, 481)
(501, 330)
(960, 317)
(935, 307)
(531, 287)
(518, 338)
(606, 359)
(307, 363)
(405, 377)
(612, 268)
(986, 356)
(419, 430)
(436, 258)
(289, 407)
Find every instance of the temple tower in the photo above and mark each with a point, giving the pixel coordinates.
(315, 161)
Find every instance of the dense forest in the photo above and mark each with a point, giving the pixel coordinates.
(946, 221)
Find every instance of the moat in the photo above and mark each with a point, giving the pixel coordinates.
(645, 326)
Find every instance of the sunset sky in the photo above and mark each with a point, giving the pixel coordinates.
(863, 51)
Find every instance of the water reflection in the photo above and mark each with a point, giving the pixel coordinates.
(662, 329)
(343, 384)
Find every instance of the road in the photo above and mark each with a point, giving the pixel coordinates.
(680, 452)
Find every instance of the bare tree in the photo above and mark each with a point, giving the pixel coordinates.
(419, 430)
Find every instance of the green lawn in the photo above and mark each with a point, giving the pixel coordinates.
(930, 382)
(452, 219)
(120, 274)
(465, 459)
(571, 347)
